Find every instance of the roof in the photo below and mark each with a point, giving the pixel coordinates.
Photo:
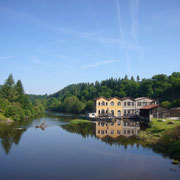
(124, 98)
(108, 98)
(150, 106)
(176, 108)
(115, 98)
(139, 98)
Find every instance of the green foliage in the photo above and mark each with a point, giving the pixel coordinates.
(90, 106)
(166, 104)
(14, 104)
(73, 105)
(77, 121)
(160, 87)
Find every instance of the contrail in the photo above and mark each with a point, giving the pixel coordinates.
(120, 25)
(98, 27)
(96, 21)
(123, 39)
(134, 8)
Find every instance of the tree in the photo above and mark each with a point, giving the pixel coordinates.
(19, 90)
(132, 78)
(166, 104)
(138, 78)
(90, 106)
(73, 105)
(8, 89)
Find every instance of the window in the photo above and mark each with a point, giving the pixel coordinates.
(112, 132)
(99, 103)
(139, 103)
(129, 103)
(106, 111)
(106, 103)
(119, 103)
(102, 111)
(98, 132)
(112, 124)
(98, 123)
(119, 122)
(112, 112)
(124, 103)
(99, 111)
(125, 112)
(102, 132)
(103, 103)
(118, 131)
(112, 103)
(129, 111)
(132, 103)
(128, 132)
(118, 113)
(124, 131)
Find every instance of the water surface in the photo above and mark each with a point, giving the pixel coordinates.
(86, 151)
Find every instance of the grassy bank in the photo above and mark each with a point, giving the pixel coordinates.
(2, 117)
(164, 137)
(78, 121)
(159, 126)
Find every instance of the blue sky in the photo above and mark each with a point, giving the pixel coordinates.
(49, 44)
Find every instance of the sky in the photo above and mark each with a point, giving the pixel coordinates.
(49, 44)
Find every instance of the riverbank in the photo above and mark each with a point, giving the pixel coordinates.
(163, 137)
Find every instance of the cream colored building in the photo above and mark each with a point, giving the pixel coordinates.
(142, 102)
(115, 129)
(111, 106)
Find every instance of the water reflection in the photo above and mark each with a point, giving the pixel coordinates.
(11, 134)
(118, 128)
(109, 145)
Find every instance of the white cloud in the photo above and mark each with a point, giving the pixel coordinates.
(68, 67)
(6, 57)
(99, 64)
(42, 63)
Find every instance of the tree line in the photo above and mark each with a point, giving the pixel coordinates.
(15, 104)
(79, 98)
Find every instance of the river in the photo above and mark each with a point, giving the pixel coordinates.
(87, 151)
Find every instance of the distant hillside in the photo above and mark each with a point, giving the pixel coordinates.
(161, 87)
(79, 98)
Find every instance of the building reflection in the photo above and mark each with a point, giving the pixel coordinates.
(118, 128)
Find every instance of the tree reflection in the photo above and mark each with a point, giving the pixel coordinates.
(11, 134)
(121, 132)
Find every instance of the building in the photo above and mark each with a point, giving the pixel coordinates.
(108, 107)
(118, 107)
(154, 111)
(175, 112)
(128, 106)
(118, 128)
(142, 102)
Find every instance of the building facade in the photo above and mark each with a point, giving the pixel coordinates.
(175, 112)
(108, 106)
(118, 107)
(128, 106)
(154, 111)
(118, 128)
(142, 102)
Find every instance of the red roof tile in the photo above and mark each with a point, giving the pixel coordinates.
(150, 106)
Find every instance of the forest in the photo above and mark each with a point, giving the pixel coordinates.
(15, 104)
(79, 98)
